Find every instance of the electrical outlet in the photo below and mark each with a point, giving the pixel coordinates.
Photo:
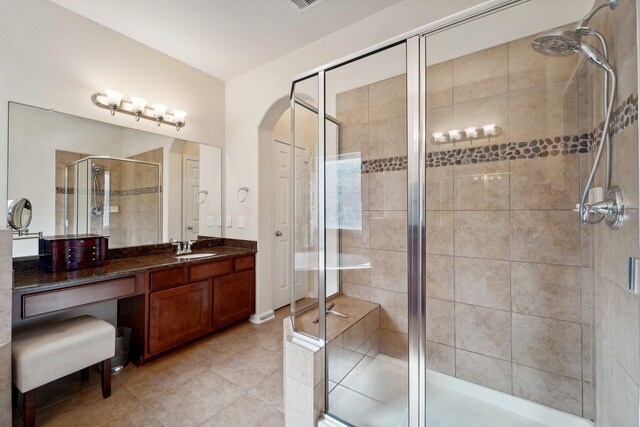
(229, 221)
(210, 221)
(240, 222)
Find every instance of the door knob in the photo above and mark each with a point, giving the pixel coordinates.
(278, 233)
(189, 227)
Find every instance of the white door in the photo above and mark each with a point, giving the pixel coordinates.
(281, 230)
(281, 261)
(191, 189)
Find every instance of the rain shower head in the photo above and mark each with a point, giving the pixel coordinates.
(561, 42)
(557, 42)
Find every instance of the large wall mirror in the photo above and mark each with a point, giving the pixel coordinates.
(85, 176)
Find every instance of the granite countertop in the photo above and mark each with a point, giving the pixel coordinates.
(30, 280)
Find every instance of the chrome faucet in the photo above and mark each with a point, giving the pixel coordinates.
(182, 247)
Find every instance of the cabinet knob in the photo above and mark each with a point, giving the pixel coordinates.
(278, 233)
(189, 227)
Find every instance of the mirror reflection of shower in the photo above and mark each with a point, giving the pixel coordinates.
(564, 42)
(98, 194)
(120, 198)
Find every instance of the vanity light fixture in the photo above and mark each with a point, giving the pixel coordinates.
(468, 134)
(114, 101)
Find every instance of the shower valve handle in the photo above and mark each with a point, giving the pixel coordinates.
(605, 207)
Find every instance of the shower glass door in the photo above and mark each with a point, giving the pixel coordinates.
(365, 193)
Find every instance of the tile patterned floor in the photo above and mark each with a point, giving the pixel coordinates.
(231, 379)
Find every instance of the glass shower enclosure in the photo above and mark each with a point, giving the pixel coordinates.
(451, 269)
(113, 197)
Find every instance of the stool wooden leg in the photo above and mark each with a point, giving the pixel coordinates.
(84, 374)
(106, 378)
(29, 408)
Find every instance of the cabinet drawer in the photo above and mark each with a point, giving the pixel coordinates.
(244, 263)
(210, 269)
(167, 278)
(52, 301)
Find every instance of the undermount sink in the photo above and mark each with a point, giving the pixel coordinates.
(196, 256)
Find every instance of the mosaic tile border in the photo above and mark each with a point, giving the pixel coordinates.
(624, 116)
(389, 164)
(115, 193)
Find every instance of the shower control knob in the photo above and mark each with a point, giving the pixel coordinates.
(278, 233)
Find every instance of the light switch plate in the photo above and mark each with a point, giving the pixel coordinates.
(240, 222)
(229, 221)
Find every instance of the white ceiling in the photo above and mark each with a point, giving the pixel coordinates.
(225, 38)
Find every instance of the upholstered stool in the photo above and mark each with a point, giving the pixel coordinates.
(49, 352)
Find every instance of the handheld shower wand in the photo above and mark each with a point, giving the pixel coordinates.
(562, 42)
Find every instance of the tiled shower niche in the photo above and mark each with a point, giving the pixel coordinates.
(509, 266)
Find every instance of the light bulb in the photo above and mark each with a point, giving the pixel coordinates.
(114, 98)
(159, 111)
(454, 135)
(489, 129)
(472, 132)
(439, 137)
(178, 118)
(138, 105)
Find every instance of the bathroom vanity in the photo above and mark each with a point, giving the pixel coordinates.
(168, 302)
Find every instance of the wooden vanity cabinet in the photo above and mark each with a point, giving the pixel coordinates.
(233, 298)
(188, 302)
(178, 315)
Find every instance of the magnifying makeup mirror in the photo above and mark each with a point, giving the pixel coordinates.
(19, 213)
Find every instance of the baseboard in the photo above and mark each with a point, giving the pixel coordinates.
(263, 317)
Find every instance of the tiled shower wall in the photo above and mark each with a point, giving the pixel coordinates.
(505, 251)
(374, 124)
(504, 279)
(617, 310)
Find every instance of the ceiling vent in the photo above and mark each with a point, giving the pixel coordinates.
(303, 4)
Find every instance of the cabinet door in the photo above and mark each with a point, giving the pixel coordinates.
(178, 315)
(233, 298)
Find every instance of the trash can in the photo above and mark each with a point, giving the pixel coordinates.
(123, 341)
